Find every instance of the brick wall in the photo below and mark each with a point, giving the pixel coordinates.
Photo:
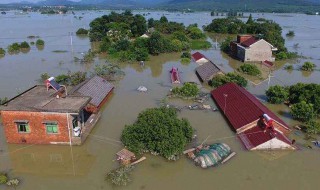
(38, 133)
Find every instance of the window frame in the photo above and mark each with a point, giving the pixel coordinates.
(51, 124)
(27, 127)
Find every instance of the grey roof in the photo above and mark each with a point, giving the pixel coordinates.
(207, 71)
(96, 87)
(39, 99)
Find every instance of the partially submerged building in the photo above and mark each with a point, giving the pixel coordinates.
(207, 71)
(257, 127)
(199, 58)
(251, 48)
(47, 114)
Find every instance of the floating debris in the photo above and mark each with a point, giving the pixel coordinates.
(142, 89)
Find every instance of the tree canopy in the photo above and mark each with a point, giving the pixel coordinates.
(277, 94)
(158, 130)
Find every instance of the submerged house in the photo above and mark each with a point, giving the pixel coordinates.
(48, 114)
(199, 58)
(257, 127)
(207, 71)
(251, 48)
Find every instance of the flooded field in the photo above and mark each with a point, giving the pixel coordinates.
(84, 167)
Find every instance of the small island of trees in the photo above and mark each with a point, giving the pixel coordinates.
(82, 31)
(129, 37)
(308, 66)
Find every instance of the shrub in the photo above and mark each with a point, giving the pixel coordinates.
(2, 51)
(313, 127)
(225, 45)
(277, 94)
(187, 90)
(120, 176)
(290, 33)
(186, 55)
(24, 45)
(288, 67)
(44, 76)
(250, 69)
(3, 178)
(158, 130)
(229, 77)
(40, 42)
(308, 66)
(82, 31)
(185, 60)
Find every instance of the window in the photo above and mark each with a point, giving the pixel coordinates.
(52, 128)
(23, 127)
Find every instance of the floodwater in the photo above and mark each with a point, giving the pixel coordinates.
(84, 167)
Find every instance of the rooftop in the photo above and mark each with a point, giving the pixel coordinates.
(207, 71)
(96, 87)
(196, 56)
(256, 136)
(250, 41)
(241, 107)
(38, 98)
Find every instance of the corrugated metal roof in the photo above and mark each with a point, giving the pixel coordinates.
(207, 71)
(97, 88)
(240, 106)
(256, 136)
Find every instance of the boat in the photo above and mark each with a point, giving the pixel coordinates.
(175, 79)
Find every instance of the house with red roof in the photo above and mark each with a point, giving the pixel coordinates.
(199, 58)
(257, 127)
(251, 48)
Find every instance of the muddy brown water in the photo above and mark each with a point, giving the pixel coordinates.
(84, 167)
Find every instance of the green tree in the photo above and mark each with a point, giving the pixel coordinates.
(302, 111)
(195, 33)
(40, 42)
(77, 78)
(308, 66)
(225, 45)
(155, 43)
(186, 55)
(250, 20)
(2, 51)
(14, 48)
(150, 23)
(277, 94)
(3, 178)
(158, 130)
(82, 31)
(313, 127)
(290, 33)
(163, 19)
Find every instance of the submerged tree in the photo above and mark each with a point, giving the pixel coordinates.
(158, 130)
(120, 176)
(302, 111)
(277, 94)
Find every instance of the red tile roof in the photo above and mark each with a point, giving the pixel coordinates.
(250, 41)
(240, 106)
(256, 136)
(196, 56)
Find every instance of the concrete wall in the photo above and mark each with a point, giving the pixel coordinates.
(38, 133)
(259, 51)
(273, 144)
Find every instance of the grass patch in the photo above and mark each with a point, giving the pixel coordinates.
(200, 44)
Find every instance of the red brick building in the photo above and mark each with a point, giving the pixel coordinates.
(48, 116)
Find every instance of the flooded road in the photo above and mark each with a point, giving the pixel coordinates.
(84, 167)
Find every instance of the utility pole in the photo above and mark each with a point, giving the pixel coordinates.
(269, 79)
